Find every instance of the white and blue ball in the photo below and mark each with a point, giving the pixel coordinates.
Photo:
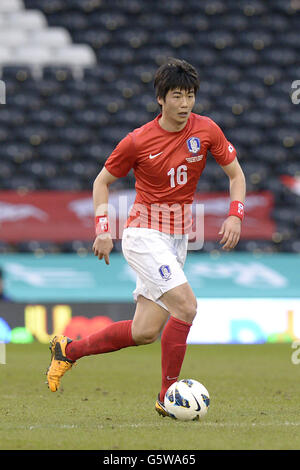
(187, 400)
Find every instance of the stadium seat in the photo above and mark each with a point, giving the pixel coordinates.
(282, 56)
(42, 169)
(33, 55)
(50, 37)
(133, 38)
(63, 183)
(49, 117)
(67, 101)
(8, 6)
(259, 117)
(152, 20)
(98, 151)
(132, 118)
(94, 117)
(5, 56)
(16, 73)
(106, 73)
(4, 133)
(12, 37)
(38, 247)
(28, 20)
(110, 19)
(21, 183)
(78, 55)
(16, 151)
(75, 135)
(57, 152)
(258, 246)
(7, 169)
(6, 247)
(116, 54)
(77, 246)
(84, 171)
(235, 21)
(288, 39)
(48, 6)
(285, 216)
(61, 123)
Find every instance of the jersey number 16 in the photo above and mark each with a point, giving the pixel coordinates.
(181, 175)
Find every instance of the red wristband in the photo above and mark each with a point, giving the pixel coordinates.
(101, 224)
(237, 209)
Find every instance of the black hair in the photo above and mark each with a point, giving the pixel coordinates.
(175, 73)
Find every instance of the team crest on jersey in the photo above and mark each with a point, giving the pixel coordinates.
(193, 144)
(165, 271)
(196, 158)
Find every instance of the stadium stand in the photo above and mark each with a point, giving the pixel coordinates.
(78, 76)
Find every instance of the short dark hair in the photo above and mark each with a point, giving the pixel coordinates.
(175, 73)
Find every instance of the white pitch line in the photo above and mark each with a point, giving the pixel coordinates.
(149, 425)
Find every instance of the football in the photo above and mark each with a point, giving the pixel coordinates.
(187, 400)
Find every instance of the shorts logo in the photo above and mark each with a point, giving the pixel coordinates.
(193, 144)
(165, 272)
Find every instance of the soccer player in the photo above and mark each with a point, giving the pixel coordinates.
(167, 156)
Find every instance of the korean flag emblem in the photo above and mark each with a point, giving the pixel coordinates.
(193, 144)
(165, 271)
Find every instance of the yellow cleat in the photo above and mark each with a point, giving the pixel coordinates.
(161, 410)
(59, 363)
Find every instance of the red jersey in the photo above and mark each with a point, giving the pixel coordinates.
(167, 167)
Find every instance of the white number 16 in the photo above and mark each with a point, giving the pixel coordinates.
(181, 175)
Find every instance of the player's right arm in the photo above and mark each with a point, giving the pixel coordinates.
(118, 164)
(103, 243)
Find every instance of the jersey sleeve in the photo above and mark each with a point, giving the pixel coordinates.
(122, 159)
(222, 150)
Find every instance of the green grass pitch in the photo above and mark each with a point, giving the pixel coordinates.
(107, 402)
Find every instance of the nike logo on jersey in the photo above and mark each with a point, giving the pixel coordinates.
(156, 155)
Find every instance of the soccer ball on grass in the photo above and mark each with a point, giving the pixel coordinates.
(187, 400)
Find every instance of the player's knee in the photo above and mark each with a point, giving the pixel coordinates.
(145, 337)
(186, 310)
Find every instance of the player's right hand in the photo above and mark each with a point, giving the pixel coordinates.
(102, 246)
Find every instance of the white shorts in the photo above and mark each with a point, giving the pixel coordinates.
(157, 258)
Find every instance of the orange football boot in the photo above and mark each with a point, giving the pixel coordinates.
(161, 409)
(59, 363)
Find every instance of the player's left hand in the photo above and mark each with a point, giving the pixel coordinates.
(231, 231)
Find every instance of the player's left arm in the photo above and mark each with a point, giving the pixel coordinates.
(231, 227)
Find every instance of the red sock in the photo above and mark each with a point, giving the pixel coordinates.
(112, 338)
(173, 347)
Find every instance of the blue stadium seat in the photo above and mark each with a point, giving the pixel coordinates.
(38, 247)
(57, 152)
(21, 183)
(42, 169)
(97, 152)
(58, 128)
(63, 183)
